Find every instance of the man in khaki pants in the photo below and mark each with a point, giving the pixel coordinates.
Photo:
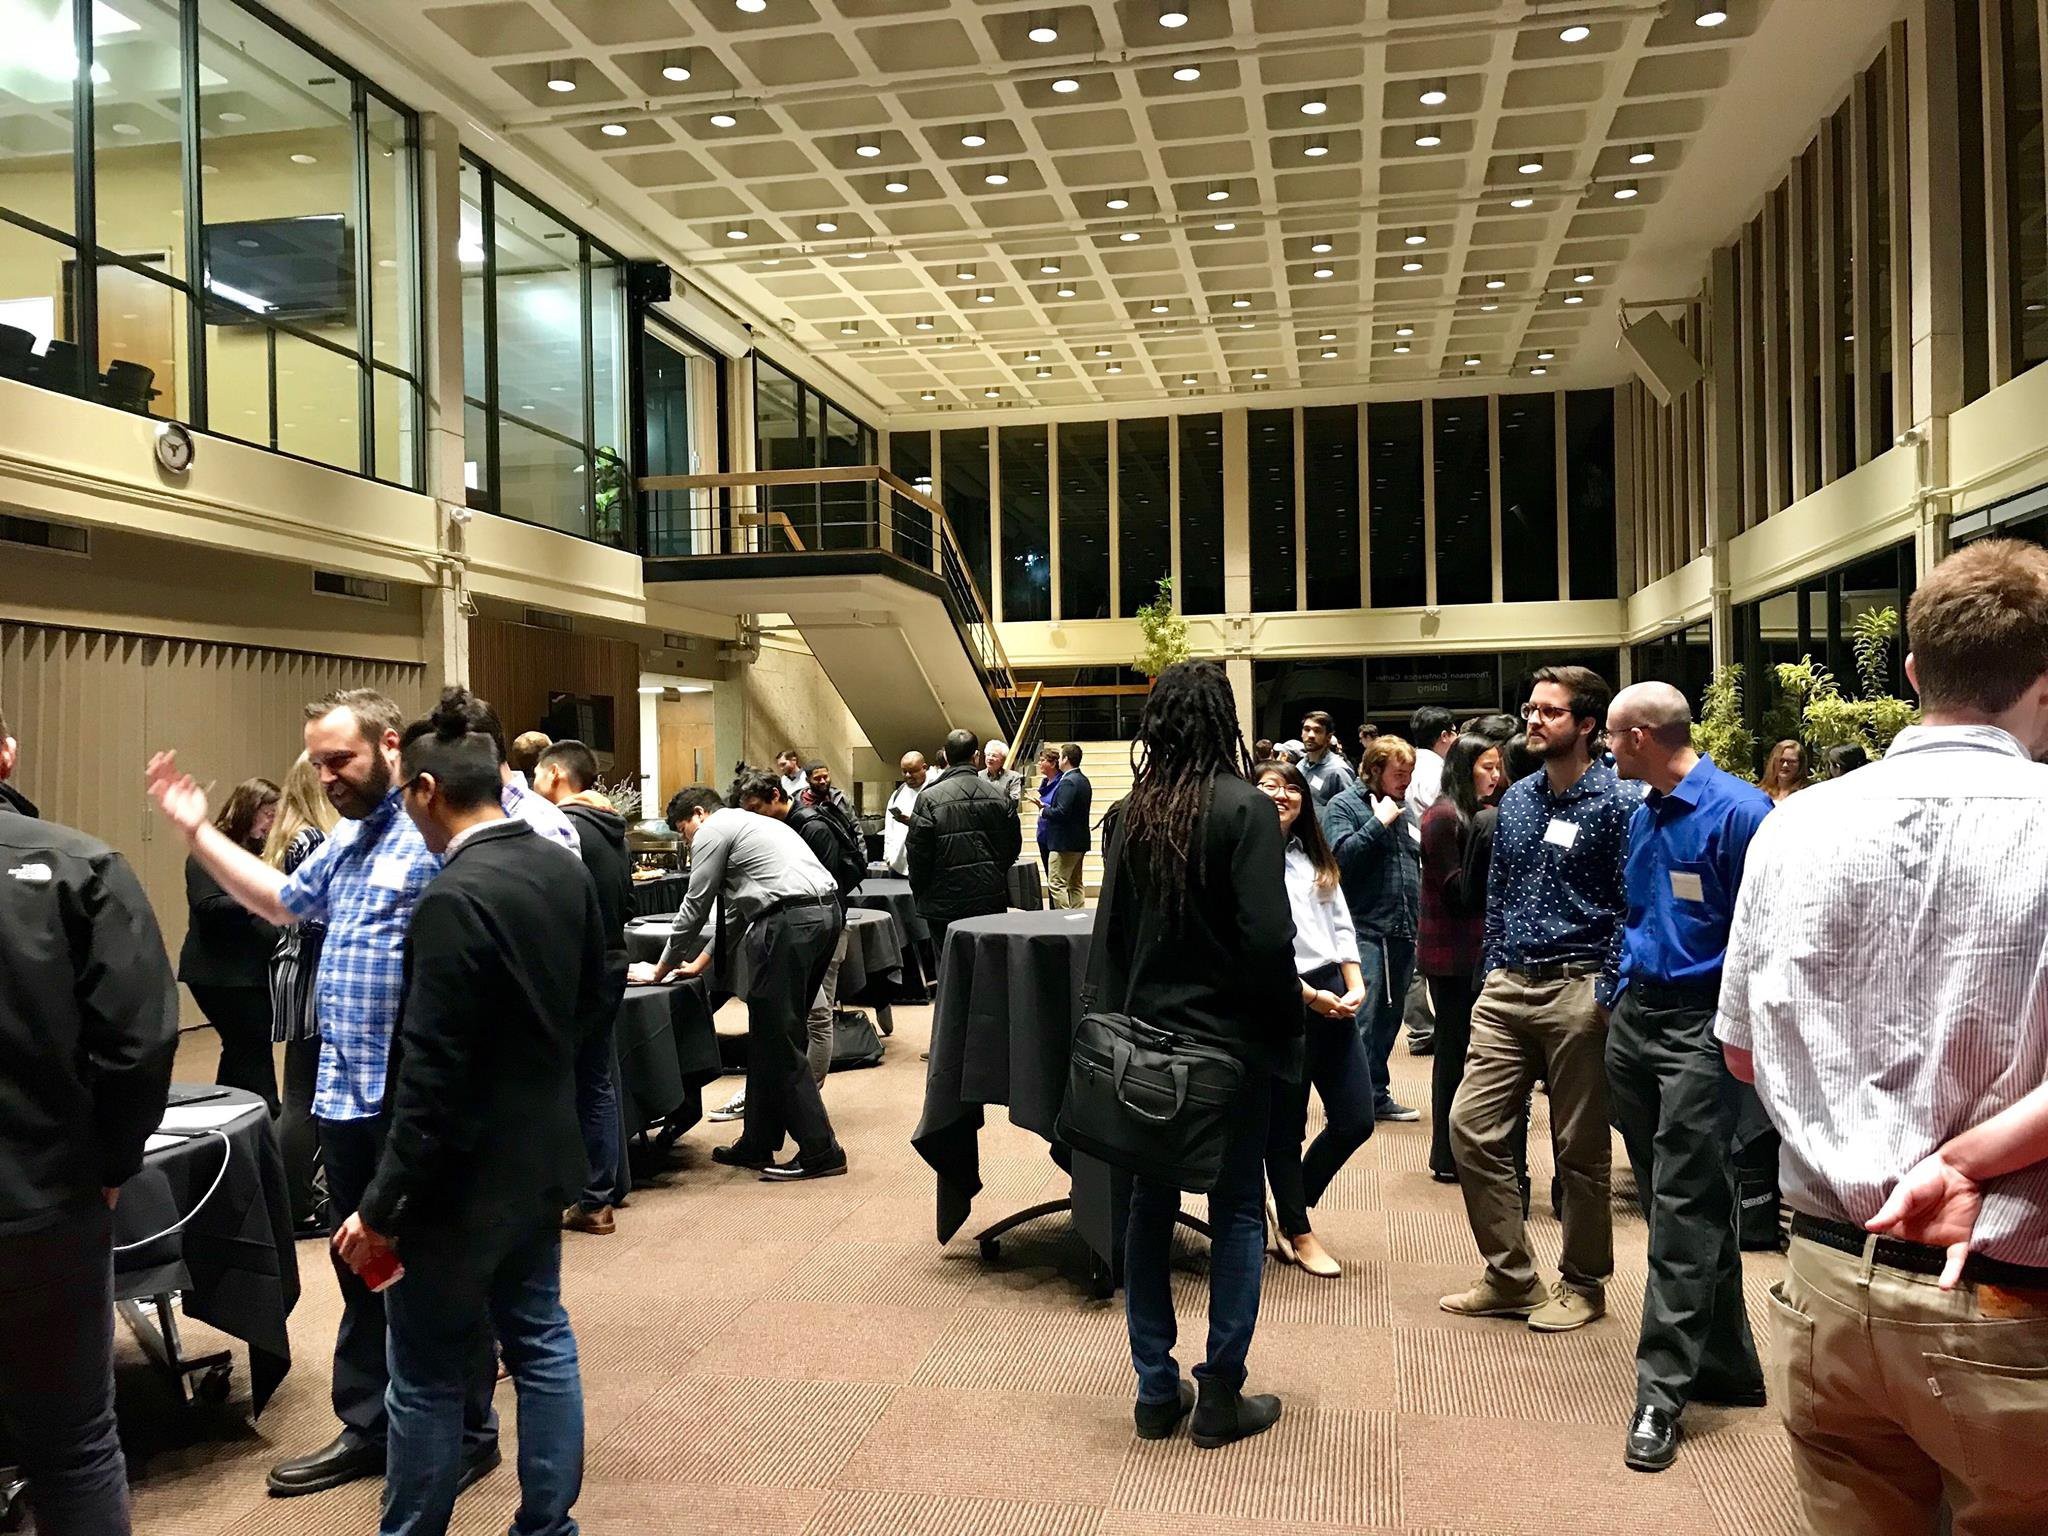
(1886, 991)
(1063, 819)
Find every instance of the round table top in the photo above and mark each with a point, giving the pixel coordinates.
(1078, 924)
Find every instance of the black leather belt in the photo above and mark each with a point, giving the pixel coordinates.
(789, 902)
(1662, 994)
(1917, 1258)
(1555, 970)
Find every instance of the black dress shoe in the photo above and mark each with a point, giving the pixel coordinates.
(1652, 1440)
(797, 1168)
(1716, 1395)
(343, 1459)
(478, 1465)
(1157, 1420)
(737, 1156)
(1224, 1414)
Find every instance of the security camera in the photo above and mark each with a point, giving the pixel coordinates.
(1907, 438)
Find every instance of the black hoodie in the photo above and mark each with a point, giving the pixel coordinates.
(602, 835)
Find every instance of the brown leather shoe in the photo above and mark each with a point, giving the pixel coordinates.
(597, 1223)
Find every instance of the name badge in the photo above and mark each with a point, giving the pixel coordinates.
(1686, 886)
(1561, 833)
(388, 872)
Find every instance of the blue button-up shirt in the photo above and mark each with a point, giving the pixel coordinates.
(363, 882)
(1685, 856)
(1555, 892)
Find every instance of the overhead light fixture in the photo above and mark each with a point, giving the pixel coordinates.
(1544, 357)
(826, 227)
(1643, 154)
(1435, 94)
(1314, 105)
(1531, 167)
(1404, 330)
(677, 68)
(1575, 298)
(131, 130)
(984, 297)
(1160, 306)
(868, 149)
(990, 393)
(1113, 368)
(1246, 325)
(1173, 15)
(1188, 72)
(925, 394)
(1220, 193)
(974, 138)
(1539, 370)
(856, 255)
(1627, 191)
(1329, 353)
(1521, 202)
(562, 76)
(1316, 147)
(1033, 355)
(1429, 136)
(1129, 237)
(735, 231)
(1049, 267)
(1577, 32)
(924, 323)
(609, 130)
(1402, 349)
(1224, 226)
(1496, 282)
(964, 273)
(1258, 375)
(1415, 237)
(1708, 14)
(234, 117)
(1325, 271)
(1117, 202)
(1488, 307)
(724, 120)
(999, 177)
(1064, 291)
(1102, 351)
(1411, 265)
(1043, 31)
(1326, 336)
(895, 184)
(1582, 277)
(1044, 373)
(1066, 85)
(849, 327)
(1240, 302)
(1187, 378)
(752, 7)
(1471, 362)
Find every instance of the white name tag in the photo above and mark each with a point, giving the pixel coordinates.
(1686, 886)
(1562, 833)
(388, 872)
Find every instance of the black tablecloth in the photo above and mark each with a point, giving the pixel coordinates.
(667, 1052)
(234, 1261)
(1027, 891)
(1009, 999)
(651, 897)
(647, 937)
(887, 893)
(874, 955)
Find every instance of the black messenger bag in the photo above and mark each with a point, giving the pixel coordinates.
(1139, 1097)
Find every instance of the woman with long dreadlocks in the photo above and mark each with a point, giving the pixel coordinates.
(1198, 936)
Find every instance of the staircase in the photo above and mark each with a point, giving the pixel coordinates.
(1108, 766)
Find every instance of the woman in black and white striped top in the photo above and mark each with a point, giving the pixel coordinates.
(304, 818)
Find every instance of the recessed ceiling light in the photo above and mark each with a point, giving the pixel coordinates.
(1173, 15)
(305, 159)
(1404, 330)
(1117, 202)
(130, 130)
(1316, 147)
(1064, 291)
(990, 393)
(1258, 375)
(1043, 31)
(984, 297)
(1435, 94)
(677, 68)
(1314, 105)
(1325, 271)
(856, 255)
(1240, 302)
(1539, 370)
(896, 184)
(827, 227)
(1521, 202)
(1032, 356)
(1544, 357)
(1113, 368)
(868, 149)
(1160, 306)
(1187, 378)
(849, 327)
(1402, 348)
(1049, 267)
(1575, 298)
(1220, 193)
(925, 394)
(1328, 353)
(1066, 85)
(752, 7)
(562, 77)
(1577, 32)
(1411, 265)
(1102, 351)
(613, 130)
(1415, 237)
(1129, 237)
(973, 138)
(1225, 226)
(771, 261)
(1582, 277)
(924, 323)
(1471, 362)
(1531, 167)
(724, 120)
(1188, 72)
(1626, 191)
(1044, 373)
(1488, 307)
(735, 231)
(1708, 14)
(1496, 283)
(1326, 336)
(964, 273)
(234, 117)
(997, 177)
(1643, 154)
(1246, 325)
(1429, 136)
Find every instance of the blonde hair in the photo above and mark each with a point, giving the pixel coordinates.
(1771, 776)
(1384, 750)
(301, 805)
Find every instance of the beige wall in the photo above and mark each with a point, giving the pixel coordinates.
(789, 702)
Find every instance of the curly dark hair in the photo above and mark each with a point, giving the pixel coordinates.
(1188, 736)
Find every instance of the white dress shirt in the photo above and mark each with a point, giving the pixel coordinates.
(1323, 931)
(1888, 971)
(896, 834)
(1427, 784)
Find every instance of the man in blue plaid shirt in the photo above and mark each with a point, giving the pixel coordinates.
(363, 882)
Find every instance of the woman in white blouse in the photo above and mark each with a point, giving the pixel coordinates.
(1332, 989)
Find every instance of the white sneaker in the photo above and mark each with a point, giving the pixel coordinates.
(734, 1108)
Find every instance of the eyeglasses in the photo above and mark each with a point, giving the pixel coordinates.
(1546, 711)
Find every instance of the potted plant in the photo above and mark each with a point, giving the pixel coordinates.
(1165, 632)
(1721, 733)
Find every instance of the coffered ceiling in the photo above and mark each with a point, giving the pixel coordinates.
(980, 202)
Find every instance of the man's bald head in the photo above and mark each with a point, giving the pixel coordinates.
(1657, 708)
(912, 767)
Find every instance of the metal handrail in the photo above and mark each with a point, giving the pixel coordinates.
(1027, 720)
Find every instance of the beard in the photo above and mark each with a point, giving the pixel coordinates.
(355, 801)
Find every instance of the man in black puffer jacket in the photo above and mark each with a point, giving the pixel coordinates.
(964, 837)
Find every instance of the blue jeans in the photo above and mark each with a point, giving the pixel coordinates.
(451, 1299)
(1387, 964)
(597, 1107)
(1237, 1258)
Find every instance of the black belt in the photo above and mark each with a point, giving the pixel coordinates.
(1555, 970)
(1917, 1258)
(1664, 994)
(788, 902)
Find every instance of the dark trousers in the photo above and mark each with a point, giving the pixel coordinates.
(789, 952)
(597, 1108)
(350, 1149)
(57, 1373)
(241, 1017)
(1453, 997)
(1674, 1102)
(1237, 1259)
(1337, 1068)
(298, 1134)
(1387, 963)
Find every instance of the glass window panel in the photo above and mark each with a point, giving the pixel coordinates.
(1841, 317)
(963, 476)
(1464, 502)
(138, 101)
(2027, 194)
(38, 331)
(910, 460)
(1201, 514)
(1779, 296)
(1270, 507)
(396, 428)
(1589, 490)
(470, 251)
(476, 468)
(1528, 497)
(785, 428)
(847, 507)
(1027, 527)
(319, 411)
(607, 353)
(1144, 509)
(540, 318)
(394, 237)
(674, 520)
(1810, 319)
(35, 130)
(1330, 464)
(1084, 519)
(1394, 458)
(142, 339)
(1881, 249)
(541, 478)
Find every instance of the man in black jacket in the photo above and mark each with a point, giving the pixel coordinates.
(964, 837)
(566, 776)
(505, 977)
(88, 1026)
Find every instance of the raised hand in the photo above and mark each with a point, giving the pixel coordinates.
(1387, 809)
(176, 794)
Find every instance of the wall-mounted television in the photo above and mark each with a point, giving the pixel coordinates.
(301, 269)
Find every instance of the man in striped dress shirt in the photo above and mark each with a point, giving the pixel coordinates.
(1886, 988)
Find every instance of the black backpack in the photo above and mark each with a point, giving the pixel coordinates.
(845, 853)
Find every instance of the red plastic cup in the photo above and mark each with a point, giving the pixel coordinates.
(382, 1272)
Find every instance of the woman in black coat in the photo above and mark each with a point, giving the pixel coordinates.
(1198, 940)
(225, 962)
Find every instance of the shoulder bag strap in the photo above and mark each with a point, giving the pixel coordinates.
(1098, 958)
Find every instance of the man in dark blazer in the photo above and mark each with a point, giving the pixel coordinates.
(1064, 819)
(505, 977)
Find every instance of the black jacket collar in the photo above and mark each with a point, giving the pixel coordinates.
(12, 799)
(492, 832)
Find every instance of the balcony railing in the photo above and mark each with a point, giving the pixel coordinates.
(840, 509)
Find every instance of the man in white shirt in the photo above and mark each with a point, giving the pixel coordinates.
(1434, 732)
(789, 767)
(896, 815)
(1886, 990)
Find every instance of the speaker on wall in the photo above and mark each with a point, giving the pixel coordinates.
(1663, 362)
(649, 282)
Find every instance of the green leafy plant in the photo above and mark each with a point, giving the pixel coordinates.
(1872, 633)
(1812, 708)
(1165, 632)
(609, 502)
(1721, 733)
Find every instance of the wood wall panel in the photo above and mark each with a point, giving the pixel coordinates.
(516, 667)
